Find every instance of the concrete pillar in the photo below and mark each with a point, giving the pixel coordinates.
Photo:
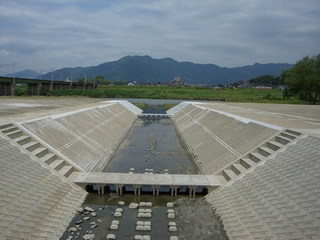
(155, 190)
(100, 189)
(6, 89)
(137, 190)
(34, 89)
(119, 189)
(192, 191)
(174, 191)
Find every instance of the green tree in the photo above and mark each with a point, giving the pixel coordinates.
(303, 79)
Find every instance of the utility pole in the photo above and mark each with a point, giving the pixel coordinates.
(94, 80)
(14, 73)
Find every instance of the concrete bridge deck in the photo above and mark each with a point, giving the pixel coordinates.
(156, 181)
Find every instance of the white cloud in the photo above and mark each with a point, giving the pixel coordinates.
(85, 33)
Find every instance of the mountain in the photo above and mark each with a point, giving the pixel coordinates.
(24, 74)
(145, 69)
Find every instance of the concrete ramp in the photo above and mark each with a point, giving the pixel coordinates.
(35, 203)
(216, 140)
(88, 137)
(278, 200)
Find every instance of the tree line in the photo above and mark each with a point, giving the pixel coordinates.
(303, 80)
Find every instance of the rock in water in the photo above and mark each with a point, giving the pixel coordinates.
(88, 237)
(89, 209)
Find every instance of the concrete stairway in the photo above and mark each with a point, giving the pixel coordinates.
(38, 150)
(257, 156)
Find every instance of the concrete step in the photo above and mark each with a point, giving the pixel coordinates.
(31, 146)
(240, 168)
(282, 140)
(49, 158)
(256, 157)
(264, 151)
(57, 164)
(15, 134)
(6, 126)
(288, 135)
(293, 132)
(9, 129)
(248, 162)
(66, 170)
(23, 139)
(40, 152)
(229, 174)
(274, 145)
(221, 179)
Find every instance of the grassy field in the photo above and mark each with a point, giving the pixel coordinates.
(210, 94)
(181, 93)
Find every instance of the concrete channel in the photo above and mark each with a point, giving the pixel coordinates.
(266, 173)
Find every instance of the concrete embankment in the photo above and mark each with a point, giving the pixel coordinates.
(35, 202)
(214, 139)
(278, 200)
(89, 137)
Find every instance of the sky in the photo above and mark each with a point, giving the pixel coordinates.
(44, 35)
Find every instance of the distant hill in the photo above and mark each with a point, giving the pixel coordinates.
(145, 69)
(24, 74)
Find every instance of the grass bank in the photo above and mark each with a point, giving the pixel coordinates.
(181, 93)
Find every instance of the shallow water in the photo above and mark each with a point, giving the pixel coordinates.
(149, 145)
(152, 145)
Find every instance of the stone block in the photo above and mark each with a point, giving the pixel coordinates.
(142, 204)
(114, 227)
(170, 205)
(111, 236)
(142, 237)
(140, 223)
(139, 228)
(121, 203)
(146, 228)
(116, 222)
(172, 229)
(174, 238)
(148, 204)
(119, 210)
(172, 224)
(117, 214)
(171, 215)
(133, 205)
(88, 209)
(170, 211)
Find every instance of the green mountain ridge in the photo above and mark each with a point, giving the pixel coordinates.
(145, 69)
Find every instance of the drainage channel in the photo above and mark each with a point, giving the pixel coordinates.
(151, 146)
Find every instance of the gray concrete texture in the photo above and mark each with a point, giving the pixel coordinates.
(216, 140)
(278, 199)
(35, 203)
(88, 137)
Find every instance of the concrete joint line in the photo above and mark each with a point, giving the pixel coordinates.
(49, 147)
(233, 151)
(82, 136)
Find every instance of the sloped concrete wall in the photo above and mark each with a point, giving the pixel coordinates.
(34, 203)
(216, 140)
(88, 138)
(278, 200)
